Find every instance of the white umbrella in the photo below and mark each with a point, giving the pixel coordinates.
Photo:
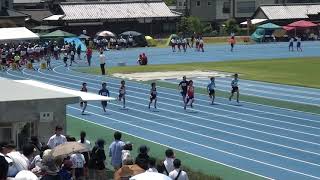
(149, 176)
(106, 34)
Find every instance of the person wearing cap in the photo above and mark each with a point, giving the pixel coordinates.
(57, 138)
(115, 151)
(49, 166)
(177, 173)
(142, 159)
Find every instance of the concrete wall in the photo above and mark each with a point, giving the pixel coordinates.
(205, 12)
(215, 11)
(29, 111)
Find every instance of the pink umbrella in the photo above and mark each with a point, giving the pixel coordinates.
(302, 24)
(288, 28)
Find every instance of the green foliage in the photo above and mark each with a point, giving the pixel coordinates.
(231, 26)
(207, 28)
(170, 2)
(188, 25)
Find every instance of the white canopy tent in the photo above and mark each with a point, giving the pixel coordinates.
(17, 33)
(83, 95)
(254, 21)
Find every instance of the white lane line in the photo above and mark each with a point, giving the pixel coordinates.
(163, 109)
(199, 134)
(224, 99)
(234, 112)
(265, 86)
(284, 87)
(214, 114)
(171, 147)
(205, 146)
(270, 97)
(227, 88)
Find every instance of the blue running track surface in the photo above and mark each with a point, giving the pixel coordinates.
(270, 142)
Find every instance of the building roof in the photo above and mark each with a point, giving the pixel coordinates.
(15, 91)
(26, 1)
(37, 14)
(16, 33)
(287, 11)
(116, 10)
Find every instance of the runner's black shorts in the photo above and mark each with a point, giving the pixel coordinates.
(234, 89)
(211, 92)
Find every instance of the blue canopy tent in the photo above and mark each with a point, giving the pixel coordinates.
(264, 30)
(77, 41)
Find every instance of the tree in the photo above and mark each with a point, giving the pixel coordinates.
(183, 26)
(231, 26)
(170, 2)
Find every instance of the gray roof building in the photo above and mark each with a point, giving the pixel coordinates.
(116, 10)
(286, 11)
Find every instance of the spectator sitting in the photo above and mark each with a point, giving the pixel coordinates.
(126, 152)
(177, 173)
(140, 59)
(144, 59)
(152, 165)
(115, 151)
(142, 159)
(57, 138)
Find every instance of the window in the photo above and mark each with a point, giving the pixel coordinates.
(246, 7)
(226, 7)
(184, 4)
(198, 3)
(180, 4)
(209, 3)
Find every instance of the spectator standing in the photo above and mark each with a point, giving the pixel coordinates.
(78, 163)
(98, 157)
(57, 138)
(142, 159)
(102, 59)
(19, 161)
(115, 151)
(79, 52)
(168, 162)
(83, 140)
(177, 173)
(89, 55)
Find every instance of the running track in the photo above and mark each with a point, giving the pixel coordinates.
(212, 53)
(271, 142)
(295, 94)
